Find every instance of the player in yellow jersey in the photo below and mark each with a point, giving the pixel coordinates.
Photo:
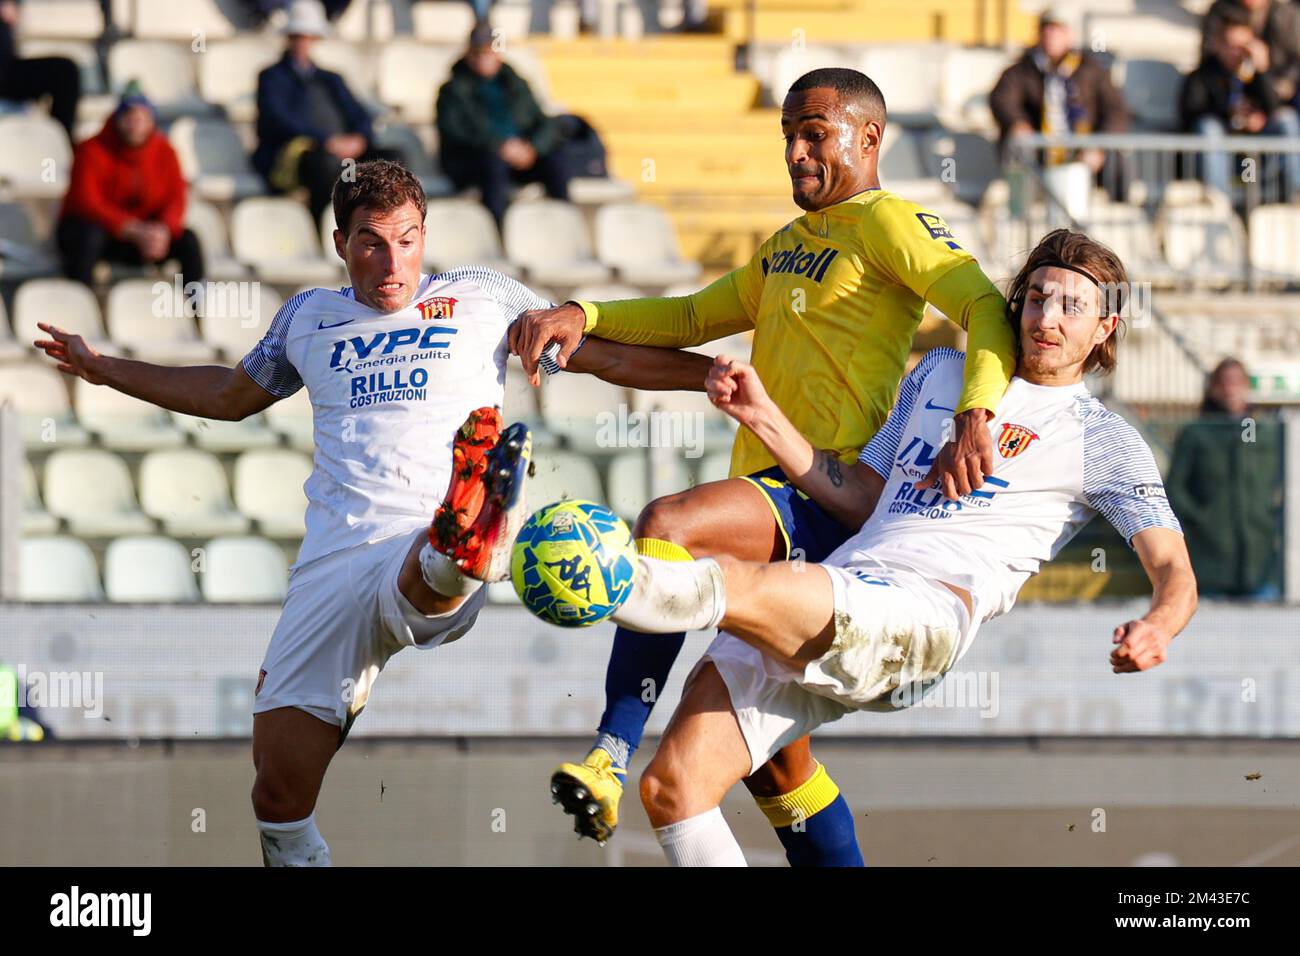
(834, 299)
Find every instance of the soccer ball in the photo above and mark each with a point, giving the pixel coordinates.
(573, 563)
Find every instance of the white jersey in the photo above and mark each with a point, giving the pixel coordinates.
(1060, 457)
(388, 391)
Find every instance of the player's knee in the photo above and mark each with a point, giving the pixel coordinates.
(661, 792)
(276, 801)
(666, 519)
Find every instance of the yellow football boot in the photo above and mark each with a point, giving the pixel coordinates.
(590, 792)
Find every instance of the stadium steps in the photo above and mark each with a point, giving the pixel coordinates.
(877, 21)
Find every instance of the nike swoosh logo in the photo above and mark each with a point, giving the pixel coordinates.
(929, 404)
(335, 325)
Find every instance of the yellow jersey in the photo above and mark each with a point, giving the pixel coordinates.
(834, 299)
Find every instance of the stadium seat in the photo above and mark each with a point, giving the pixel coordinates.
(549, 238)
(598, 190)
(62, 302)
(909, 75)
(442, 21)
(1275, 243)
(235, 329)
(1128, 231)
(583, 410)
(790, 63)
(410, 74)
(121, 422)
(292, 418)
(24, 254)
(213, 159)
(460, 232)
(134, 323)
(269, 489)
(968, 76)
(560, 475)
(1203, 240)
(1151, 89)
(68, 19)
(186, 490)
(966, 163)
(210, 226)
(415, 157)
(371, 21)
(276, 237)
(37, 158)
(91, 489)
(638, 240)
(149, 569)
(714, 467)
(228, 73)
(169, 20)
(220, 436)
(521, 404)
(243, 570)
(39, 395)
(605, 292)
(692, 420)
(165, 72)
(629, 480)
(350, 61)
(58, 568)
(36, 520)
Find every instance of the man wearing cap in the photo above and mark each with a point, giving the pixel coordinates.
(126, 200)
(308, 121)
(491, 131)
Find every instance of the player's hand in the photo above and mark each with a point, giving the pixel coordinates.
(71, 353)
(735, 388)
(963, 463)
(533, 332)
(1142, 646)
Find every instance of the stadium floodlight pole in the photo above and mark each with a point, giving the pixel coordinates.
(1291, 505)
(11, 452)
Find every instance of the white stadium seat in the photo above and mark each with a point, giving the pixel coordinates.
(243, 570)
(1275, 243)
(968, 76)
(235, 330)
(149, 569)
(560, 475)
(210, 227)
(186, 490)
(1151, 89)
(37, 157)
(62, 302)
(219, 436)
(692, 421)
(584, 410)
(24, 253)
(629, 481)
(460, 232)
(165, 72)
(276, 237)
(442, 21)
(58, 568)
(638, 240)
(269, 489)
(75, 19)
(228, 73)
(415, 157)
(134, 323)
(791, 63)
(36, 520)
(549, 238)
(91, 489)
(292, 418)
(349, 61)
(1128, 231)
(169, 20)
(909, 75)
(369, 21)
(410, 74)
(124, 423)
(213, 159)
(1204, 242)
(40, 396)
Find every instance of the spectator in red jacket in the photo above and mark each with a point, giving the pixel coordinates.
(126, 202)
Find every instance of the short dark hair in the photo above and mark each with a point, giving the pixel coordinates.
(1229, 17)
(853, 86)
(1095, 260)
(379, 184)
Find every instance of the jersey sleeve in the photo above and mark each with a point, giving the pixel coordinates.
(878, 454)
(514, 298)
(268, 363)
(1120, 477)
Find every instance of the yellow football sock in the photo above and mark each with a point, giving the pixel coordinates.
(661, 549)
(812, 796)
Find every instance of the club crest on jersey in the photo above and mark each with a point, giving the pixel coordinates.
(1014, 439)
(438, 307)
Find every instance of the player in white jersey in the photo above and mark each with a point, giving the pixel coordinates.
(881, 621)
(405, 373)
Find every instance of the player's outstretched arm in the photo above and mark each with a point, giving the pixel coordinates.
(208, 391)
(641, 366)
(1142, 644)
(848, 493)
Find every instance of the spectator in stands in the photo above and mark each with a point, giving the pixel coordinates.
(126, 200)
(308, 121)
(1054, 88)
(1230, 93)
(492, 133)
(1225, 483)
(1276, 47)
(23, 80)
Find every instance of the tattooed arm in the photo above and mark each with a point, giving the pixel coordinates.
(848, 492)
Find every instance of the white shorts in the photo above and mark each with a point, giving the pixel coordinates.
(896, 635)
(343, 618)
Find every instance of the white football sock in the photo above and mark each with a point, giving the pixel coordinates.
(293, 844)
(441, 574)
(703, 840)
(672, 596)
